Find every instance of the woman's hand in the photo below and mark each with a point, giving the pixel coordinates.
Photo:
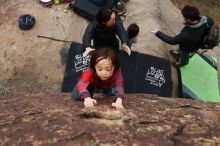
(126, 49)
(118, 104)
(89, 102)
(88, 49)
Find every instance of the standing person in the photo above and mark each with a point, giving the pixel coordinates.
(103, 73)
(189, 37)
(103, 32)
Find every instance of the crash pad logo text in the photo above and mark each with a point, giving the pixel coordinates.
(155, 76)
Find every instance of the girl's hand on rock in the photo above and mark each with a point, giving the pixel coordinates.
(89, 102)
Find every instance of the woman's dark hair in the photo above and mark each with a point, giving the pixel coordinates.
(104, 53)
(103, 15)
(132, 30)
(190, 12)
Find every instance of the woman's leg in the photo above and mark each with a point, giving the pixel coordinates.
(184, 58)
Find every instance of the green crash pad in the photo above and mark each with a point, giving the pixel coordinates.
(199, 79)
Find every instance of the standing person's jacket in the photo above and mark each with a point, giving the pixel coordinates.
(90, 78)
(105, 36)
(190, 36)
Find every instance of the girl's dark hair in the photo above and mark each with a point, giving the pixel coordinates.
(103, 15)
(190, 12)
(132, 30)
(104, 53)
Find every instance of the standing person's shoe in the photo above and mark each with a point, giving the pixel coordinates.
(178, 64)
(175, 54)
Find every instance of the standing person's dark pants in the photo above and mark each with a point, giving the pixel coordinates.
(184, 57)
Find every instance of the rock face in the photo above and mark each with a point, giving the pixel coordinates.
(56, 120)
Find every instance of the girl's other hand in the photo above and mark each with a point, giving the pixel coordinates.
(118, 104)
(89, 102)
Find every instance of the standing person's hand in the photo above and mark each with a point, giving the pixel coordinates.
(118, 104)
(126, 49)
(89, 102)
(155, 30)
(88, 49)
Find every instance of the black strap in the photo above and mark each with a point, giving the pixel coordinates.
(209, 61)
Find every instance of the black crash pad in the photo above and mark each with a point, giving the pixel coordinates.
(75, 66)
(146, 74)
(142, 73)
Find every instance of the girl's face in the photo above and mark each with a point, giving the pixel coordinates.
(104, 68)
(111, 21)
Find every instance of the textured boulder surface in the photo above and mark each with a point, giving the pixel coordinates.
(56, 120)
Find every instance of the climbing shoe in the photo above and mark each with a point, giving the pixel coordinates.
(178, 64)
(175, 54)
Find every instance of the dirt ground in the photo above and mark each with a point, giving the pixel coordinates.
(34, 65)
